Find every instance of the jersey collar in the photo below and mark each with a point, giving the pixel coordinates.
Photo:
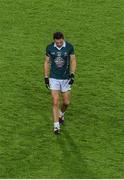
(64, 44)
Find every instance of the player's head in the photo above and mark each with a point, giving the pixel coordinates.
(58, 38)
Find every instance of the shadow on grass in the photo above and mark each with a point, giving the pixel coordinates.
(73, 163)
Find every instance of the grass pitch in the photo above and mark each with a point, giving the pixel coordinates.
(91, 144)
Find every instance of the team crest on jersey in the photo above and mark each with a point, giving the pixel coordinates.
(65, 54)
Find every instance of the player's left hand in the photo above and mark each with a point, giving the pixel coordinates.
(71, 79)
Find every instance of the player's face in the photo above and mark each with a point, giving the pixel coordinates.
(59, 42)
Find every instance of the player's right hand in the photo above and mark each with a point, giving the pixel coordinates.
(46, 80)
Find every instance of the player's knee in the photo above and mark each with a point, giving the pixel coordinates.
(55, 102)
(66, 102)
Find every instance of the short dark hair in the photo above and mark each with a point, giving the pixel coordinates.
(58, 35)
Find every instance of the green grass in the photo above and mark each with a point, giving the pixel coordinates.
(91, 144)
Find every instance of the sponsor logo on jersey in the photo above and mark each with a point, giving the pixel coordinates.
(59, 60)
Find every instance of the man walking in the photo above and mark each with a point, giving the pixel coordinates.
(61, 61)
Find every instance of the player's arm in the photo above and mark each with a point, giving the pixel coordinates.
(46, 66)
(73, 64)
(46, 70)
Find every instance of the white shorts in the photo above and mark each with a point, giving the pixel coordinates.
(60, 85)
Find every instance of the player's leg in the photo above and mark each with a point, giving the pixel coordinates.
(65, 89)
(65, 101)
(55, 89)
(55, 99)
(65, 104)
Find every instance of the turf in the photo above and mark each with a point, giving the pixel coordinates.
(91, 144)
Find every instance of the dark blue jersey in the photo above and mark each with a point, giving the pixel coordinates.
(60, 60)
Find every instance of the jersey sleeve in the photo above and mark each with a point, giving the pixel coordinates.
(71, 50)
(47, 51)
